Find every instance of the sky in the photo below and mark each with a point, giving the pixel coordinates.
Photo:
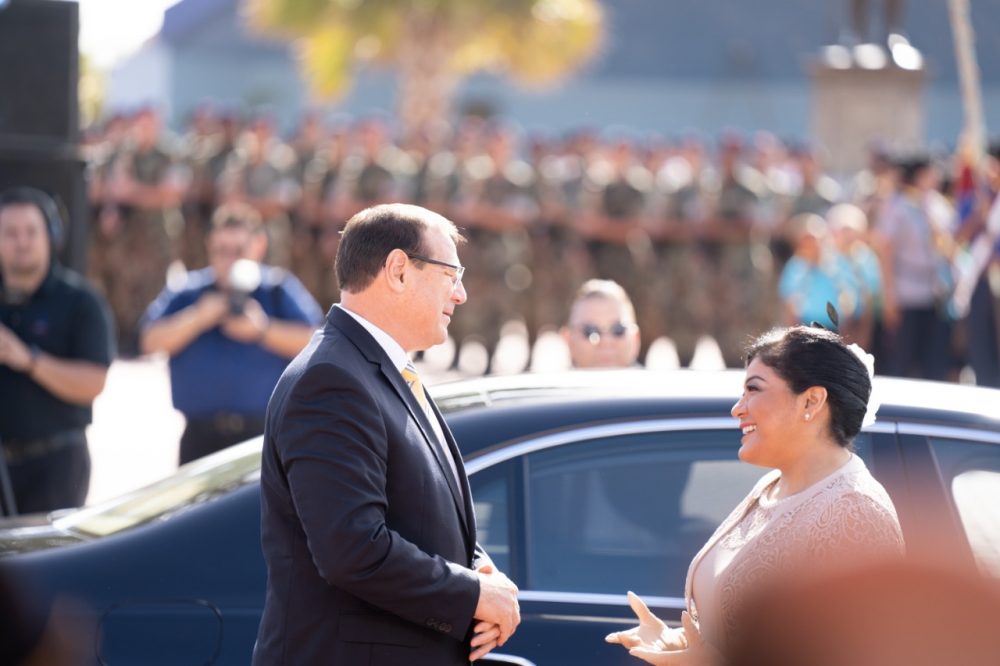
(112, 29)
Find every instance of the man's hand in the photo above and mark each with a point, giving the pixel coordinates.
(210, 309)
(249, 326)
(485, 639)
(497, 603)
(13, 352)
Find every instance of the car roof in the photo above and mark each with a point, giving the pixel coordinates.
(543, 402)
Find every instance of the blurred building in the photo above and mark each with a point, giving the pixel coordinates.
(666, 67)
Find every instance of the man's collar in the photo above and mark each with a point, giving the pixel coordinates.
(44, 287)
(393, 349)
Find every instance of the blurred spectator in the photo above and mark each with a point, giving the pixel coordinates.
(849, 227)
(601, 331)
(230, 330)
(817, 191)
(981, 230)
(742, 289)
(140, 222)
(815, 276)
(698, 239)
(615, 222)
(911, 242)
(260, 174)
(498, 204)
(56, 343)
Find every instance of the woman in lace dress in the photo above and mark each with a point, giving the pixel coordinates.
(820, 511)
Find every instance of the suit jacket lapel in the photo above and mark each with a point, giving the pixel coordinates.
(469, 513)
(430, 436)
(371, 349)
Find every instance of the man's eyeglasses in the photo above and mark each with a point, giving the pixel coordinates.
(593, 333)
(459, 270)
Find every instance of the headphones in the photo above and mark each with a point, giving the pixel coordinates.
(31, 196)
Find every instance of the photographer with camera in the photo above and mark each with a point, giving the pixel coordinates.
(229, 330)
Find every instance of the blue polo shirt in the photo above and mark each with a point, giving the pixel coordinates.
(217, 374)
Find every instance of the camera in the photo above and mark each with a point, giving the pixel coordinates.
(244, 278)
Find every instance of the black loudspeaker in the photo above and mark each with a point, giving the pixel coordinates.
(39, 111)
(40, 70)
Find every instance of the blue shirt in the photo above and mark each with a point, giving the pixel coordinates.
(809, 287)
(218, 374)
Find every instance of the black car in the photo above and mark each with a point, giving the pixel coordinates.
(586, 485)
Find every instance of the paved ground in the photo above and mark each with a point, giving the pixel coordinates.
(134, 437)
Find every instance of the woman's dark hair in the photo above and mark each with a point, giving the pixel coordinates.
(805, 356)
(372, 234)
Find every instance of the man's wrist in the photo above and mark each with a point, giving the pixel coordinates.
(34, 353)
(263, 332)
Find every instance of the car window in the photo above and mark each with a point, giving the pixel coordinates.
(972, 471)
(491, 498)
(629, 512)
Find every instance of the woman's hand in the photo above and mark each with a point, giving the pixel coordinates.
(696, 653)
(652, 632)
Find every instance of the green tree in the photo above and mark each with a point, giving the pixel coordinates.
(91, 90)
(433, 44)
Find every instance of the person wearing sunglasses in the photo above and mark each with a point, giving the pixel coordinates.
(602, 332)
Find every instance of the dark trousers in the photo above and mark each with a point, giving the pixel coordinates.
(984, 352)
(207, 434)
(49, 473)
(921, 346)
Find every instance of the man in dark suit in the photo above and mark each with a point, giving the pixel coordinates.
(367, 522)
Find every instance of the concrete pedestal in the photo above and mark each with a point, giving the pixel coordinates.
(853, 106)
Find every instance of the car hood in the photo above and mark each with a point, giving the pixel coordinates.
(27, 534)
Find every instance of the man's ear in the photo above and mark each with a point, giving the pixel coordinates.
(394, 270)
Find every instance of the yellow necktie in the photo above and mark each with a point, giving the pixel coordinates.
(412, 380)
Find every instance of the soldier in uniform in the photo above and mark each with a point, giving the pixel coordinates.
(562, 207)
(140, 223)
(318, 236)
(196, 148)
(742, 296)
(259, 173)
(374, 172)
(684, 183)
(614, 222)
(498, 208)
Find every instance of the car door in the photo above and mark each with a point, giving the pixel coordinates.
(578, 518)
(954, 492)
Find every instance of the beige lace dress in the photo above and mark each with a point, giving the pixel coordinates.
(843, 520)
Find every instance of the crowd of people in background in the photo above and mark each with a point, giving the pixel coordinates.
(721, 236)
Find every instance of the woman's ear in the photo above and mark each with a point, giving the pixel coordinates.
(815, 398)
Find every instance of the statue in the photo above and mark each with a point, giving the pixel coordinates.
(859, 33)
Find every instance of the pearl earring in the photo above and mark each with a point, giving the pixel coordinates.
(808, 416)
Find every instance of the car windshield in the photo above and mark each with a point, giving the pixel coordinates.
(194, 483)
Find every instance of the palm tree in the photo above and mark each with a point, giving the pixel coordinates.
(433, 44)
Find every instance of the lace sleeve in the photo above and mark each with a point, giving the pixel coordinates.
(854, 529)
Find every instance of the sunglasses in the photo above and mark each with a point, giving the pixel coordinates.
(593, 333)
